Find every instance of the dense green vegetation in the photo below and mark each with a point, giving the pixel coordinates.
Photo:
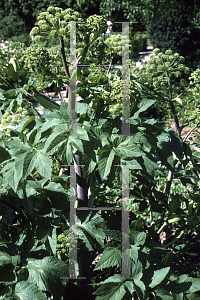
(171, 24)
(40, 151)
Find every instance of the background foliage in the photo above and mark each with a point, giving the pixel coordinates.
(18, 16)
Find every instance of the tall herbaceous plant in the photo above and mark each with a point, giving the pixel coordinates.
(97, 199)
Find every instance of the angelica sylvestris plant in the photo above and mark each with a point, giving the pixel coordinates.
(36, 186)
(165, 77)
(56, 24)
(166, 70)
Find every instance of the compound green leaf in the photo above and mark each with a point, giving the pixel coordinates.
(76, 142)
(7, 275)
(28, 291)
(57, 195)
(138, 238)
(50, 124)
(29, 163)
(193, 296)
(164, 150)
(9, 296)
(45, 272)
(5, 258)
(194, 283)
(143, 106)
(27, 121)
(19, 166)
(114, 234)
(69, 153)
(114, 288)
(64, 111)
(46, 102)
(90, 227)
(129, 149)
(140, 288)
(82, 133)
(54, 142)
(53, 241)
(134, 253)
(137, 269)
(163, 294)
(159, 276)
(9, 174)
(110, 257)
(177, 296)
(14, 145)
(177, 144)
(43, 165)
(105, 162)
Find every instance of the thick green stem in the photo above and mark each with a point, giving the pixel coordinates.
(64, 61)
(185, 138)
(170, 173)
(174, 115)
(172, 105)
(84, 260)
(151, 89)
(187, 88)
(166, 192)
(82, 193)
(109, 67)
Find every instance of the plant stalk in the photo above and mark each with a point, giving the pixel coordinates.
(170, 173)
(64, 61)
(151, 89)
(174, 115)
(185, 138)
(187, 88)
(82, 192)
(109, 67)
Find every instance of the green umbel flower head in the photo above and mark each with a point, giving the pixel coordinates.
(36, 59)
(11, 118)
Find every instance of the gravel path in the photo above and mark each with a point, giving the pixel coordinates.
(145, 56)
